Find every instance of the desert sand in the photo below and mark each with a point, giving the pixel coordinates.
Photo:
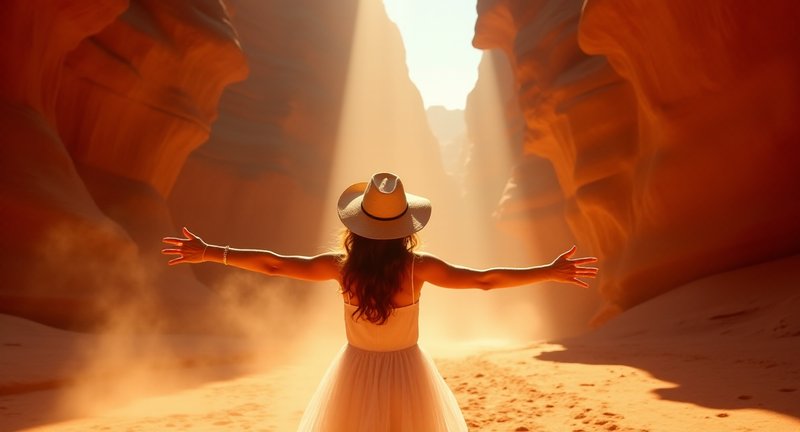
(720, 354)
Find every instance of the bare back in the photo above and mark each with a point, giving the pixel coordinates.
(407, 294)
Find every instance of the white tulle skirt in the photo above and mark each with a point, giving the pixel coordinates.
(367, 391)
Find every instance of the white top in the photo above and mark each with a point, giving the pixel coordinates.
(400, 331)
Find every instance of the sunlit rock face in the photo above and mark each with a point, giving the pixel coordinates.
(136, 99)
(494, 132)
(44, 201)
(579, 124)
(715, 177)
(572, 104)
(101, 101)
(676, 162)
(261, 179)
(269, 155)
(518, 187)
(140, 95)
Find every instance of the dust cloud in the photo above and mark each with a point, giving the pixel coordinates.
(138, 330)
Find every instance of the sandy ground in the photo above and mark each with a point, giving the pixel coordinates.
(721, 354)
(548, 388)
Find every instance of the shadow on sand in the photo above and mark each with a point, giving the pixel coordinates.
(731, 341)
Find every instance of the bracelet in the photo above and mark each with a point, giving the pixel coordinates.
(225, 255)
(203, 257)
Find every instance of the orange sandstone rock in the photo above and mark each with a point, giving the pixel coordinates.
(140, 95)
(677, 163)
(136, 99)
(48, 217)
(328, 96)
(95, 145)
(520, 191)
(715, 183)
(269, 156)
(578, 115)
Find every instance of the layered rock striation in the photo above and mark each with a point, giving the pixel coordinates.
(668, 126)
(715, 179)
(269, 156)
(44, 200)
(102, 102)
(318, 111)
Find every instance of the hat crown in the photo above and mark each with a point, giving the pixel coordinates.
(384, 197)
(380, 209)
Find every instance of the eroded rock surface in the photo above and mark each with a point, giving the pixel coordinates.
(669, 129)
(101, 101)
(328, 102)
(715, 183)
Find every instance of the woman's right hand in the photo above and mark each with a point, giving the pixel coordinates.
(191, 249)
(568, 270)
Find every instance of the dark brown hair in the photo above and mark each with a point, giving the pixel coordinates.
(372, 271)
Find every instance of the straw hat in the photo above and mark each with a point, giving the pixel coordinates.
(380, 209)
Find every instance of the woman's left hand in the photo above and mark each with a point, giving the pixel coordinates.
(191, 249)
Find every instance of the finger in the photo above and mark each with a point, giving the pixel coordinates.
(584, 260)
(590, 269)
(569, 253)
(171, 251)
(580, 283)
(174, 261)
(174, 241)
(188, 233)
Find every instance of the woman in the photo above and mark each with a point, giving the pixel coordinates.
(380, 380)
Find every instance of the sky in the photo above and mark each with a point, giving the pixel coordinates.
(438, 38)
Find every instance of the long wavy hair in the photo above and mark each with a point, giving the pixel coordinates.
(372, 271)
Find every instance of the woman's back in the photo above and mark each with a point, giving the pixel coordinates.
(399, 331)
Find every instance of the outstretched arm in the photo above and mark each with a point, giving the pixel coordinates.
(192, 249)
(562, 269)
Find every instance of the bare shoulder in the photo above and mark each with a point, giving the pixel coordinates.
(427, 258)
(331, 256)
(426, 263)
(424, 258)
(333, 260)
(318, 267)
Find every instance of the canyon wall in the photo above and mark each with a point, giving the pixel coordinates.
(516, 193)
(268, 159)
(494, 132)
(102, 101)
(557, 89)
(318, 112)
(105, 106)
(670, 126)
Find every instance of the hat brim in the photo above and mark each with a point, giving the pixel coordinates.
(353, 217)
